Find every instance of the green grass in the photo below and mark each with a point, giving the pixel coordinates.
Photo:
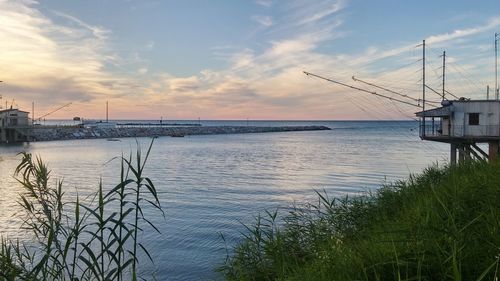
(96, 240)
(440, 225)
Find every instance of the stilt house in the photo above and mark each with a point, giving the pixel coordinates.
(463, 124)
(14, 125)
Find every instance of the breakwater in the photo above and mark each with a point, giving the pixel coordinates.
(69, 133)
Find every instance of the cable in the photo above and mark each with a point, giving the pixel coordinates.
(359, 89)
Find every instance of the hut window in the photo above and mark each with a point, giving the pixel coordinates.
(473, 118)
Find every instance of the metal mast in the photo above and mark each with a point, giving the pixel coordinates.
(423, 88)
(444, 67)
(496, 67)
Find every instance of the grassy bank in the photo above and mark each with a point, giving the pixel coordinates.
(440, 225)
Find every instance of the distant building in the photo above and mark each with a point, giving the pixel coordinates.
(464, 123)
(14, 125)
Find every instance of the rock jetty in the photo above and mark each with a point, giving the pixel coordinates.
(69, 133)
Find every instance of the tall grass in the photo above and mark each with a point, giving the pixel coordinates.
(441, 225)
(93, 240)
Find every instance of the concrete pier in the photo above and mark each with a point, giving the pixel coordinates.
(68, 133)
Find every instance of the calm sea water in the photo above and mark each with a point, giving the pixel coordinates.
(209, 184)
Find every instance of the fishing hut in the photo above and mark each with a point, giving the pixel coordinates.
(461, 122)
(464, 124)
(14, 125)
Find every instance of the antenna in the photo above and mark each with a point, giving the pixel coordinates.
(496, 67)
(444, 67)
(423, 88)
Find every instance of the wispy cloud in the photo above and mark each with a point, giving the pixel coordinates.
(52, 63)
(263, 20)
(97, 31)
(150, 45)
(330, 9)
(265, 3)
(69, 60)
(460, 33)
(181, 85)
(272, 80)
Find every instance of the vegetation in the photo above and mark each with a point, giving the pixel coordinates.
(98, 240)
(441, 225)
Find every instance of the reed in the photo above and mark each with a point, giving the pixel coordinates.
(97, 239)
(441, 225)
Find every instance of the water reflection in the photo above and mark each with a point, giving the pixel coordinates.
(208, 184)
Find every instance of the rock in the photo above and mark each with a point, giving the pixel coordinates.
(50, 133)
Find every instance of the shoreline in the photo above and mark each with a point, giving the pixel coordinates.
(71, 133)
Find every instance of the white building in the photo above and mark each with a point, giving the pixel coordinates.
(14, 125)
(464, 123)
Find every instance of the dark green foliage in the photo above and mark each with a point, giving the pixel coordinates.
(96, 240)
(441, 225)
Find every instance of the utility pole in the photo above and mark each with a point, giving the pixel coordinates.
(106, 111)
(444, 67)
(32, 113)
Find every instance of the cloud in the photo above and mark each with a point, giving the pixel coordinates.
(97, 31)
(71, 56)
(150, 45)
(187, 84)
(39, 94)
(55, 63)
(52, 63)
(271, 79)
(242, 59)
(291, 46)
(265, 21)
(319, 15)
(265, 3)
(460, 33)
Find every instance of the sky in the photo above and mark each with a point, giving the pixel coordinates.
(227, 59)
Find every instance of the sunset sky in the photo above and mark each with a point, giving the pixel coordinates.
(230, 59)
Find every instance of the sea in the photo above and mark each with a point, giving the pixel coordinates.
(211, 185)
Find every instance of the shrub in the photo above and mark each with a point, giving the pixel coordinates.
(441, 225)
(95, 240)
